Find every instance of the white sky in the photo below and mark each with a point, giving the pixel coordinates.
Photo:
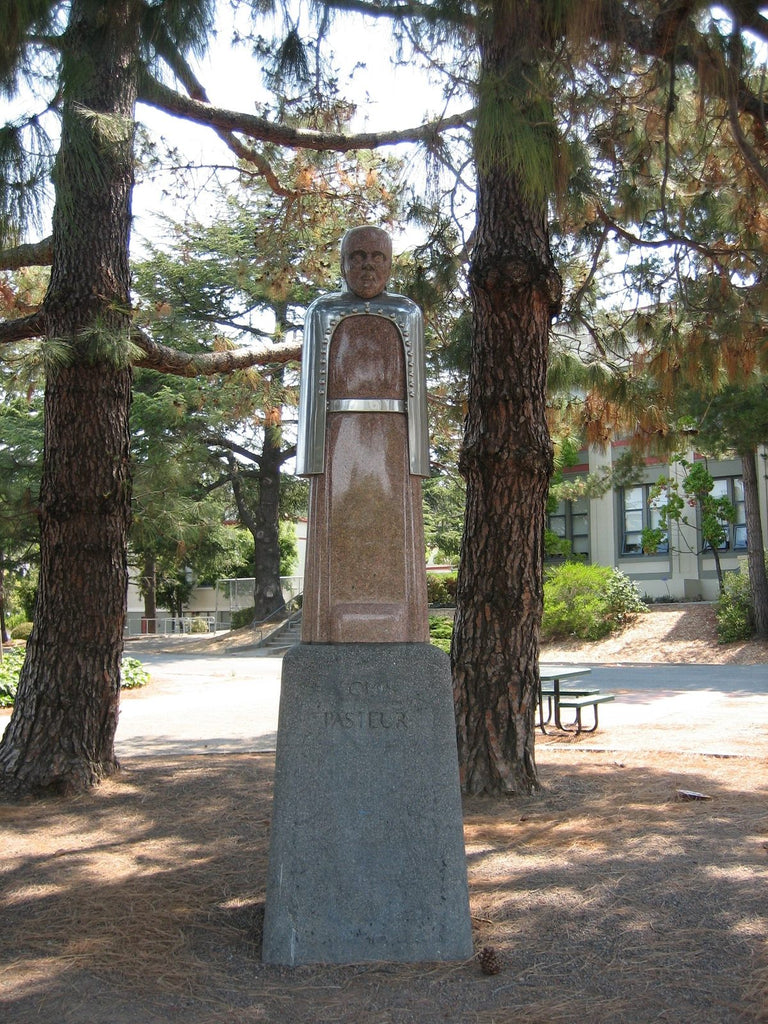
(387, 97)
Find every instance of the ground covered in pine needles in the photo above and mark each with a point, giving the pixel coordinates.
(609, 898)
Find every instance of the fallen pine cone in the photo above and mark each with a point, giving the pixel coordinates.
(490, 961)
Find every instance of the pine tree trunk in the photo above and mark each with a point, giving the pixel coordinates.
(149, 588)
(507, 462)
(61, 735)
(263, 523)
(267, 591)
(4, 635)
(758, 581)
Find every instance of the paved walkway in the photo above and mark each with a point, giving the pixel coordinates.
(203, 703)
(200, 703)
(704, 709)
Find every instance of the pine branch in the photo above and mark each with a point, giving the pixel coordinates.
(185, 364)
(430, 13)
(751, 158)
(26, 327)
(752, 18)
(196, 91)
(155, 94)
(220, 441)
(32, 254)
(671, 238)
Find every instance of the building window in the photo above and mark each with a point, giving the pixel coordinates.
(641, 512)
(732, 488)
(570, 521)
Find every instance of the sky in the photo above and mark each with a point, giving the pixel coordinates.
(231, 77)
(232, 80)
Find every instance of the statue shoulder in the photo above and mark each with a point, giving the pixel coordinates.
(326, 301)
(403, 304)
(402, 300)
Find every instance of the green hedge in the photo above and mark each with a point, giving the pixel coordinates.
(735, 615)
(587, 601)
(13, 659)
(243, 617)
(440, 632)
(441, 589)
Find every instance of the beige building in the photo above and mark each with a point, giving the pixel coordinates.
(607, 530)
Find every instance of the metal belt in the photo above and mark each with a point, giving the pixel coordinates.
(366, 405)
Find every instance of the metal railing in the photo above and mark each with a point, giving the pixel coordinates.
(235, 595)
(170, 625)
(275, 620)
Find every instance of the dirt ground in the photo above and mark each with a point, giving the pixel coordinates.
(683, 634)
(608, 898)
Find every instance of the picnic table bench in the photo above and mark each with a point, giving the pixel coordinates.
(551, 678)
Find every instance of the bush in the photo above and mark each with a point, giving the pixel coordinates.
(13, 659)
(735, 616)
(133, 674)
(623, 597)
(441, 589)
(198, 625)
(440, 632)
(587, 601)
(21, 631)
(243, 617)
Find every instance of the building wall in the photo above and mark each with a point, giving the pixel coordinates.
(683, 572)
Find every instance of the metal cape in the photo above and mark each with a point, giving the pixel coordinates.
(323, 316)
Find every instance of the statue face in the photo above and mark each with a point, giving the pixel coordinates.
(366, 261)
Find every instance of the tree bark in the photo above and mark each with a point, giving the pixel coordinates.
(506, 460)
(758, 581)
(4, 634)
(267, 590)
(149, 589)
(263, 523)
(61, 735)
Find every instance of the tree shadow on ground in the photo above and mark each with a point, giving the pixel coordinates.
(606, 897)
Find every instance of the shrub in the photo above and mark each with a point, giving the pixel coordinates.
(243, 617)
(13, 659)
(21, 631)
(441, 589)
(198, 625)
(440, 632)
(624, 600)
(587, 601)
(735, 616)
(132, 675)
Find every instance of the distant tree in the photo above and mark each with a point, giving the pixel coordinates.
(179, 530)
(735, 419)
(711, 513)
(20, 451)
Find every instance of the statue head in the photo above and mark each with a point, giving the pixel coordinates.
(366, 260)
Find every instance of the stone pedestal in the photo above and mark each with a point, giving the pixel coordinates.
(367, 855)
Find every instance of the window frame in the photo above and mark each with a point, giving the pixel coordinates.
(569, 516)
(649, 511)
(734, 482)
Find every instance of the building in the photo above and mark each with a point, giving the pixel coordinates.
(607, 530)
